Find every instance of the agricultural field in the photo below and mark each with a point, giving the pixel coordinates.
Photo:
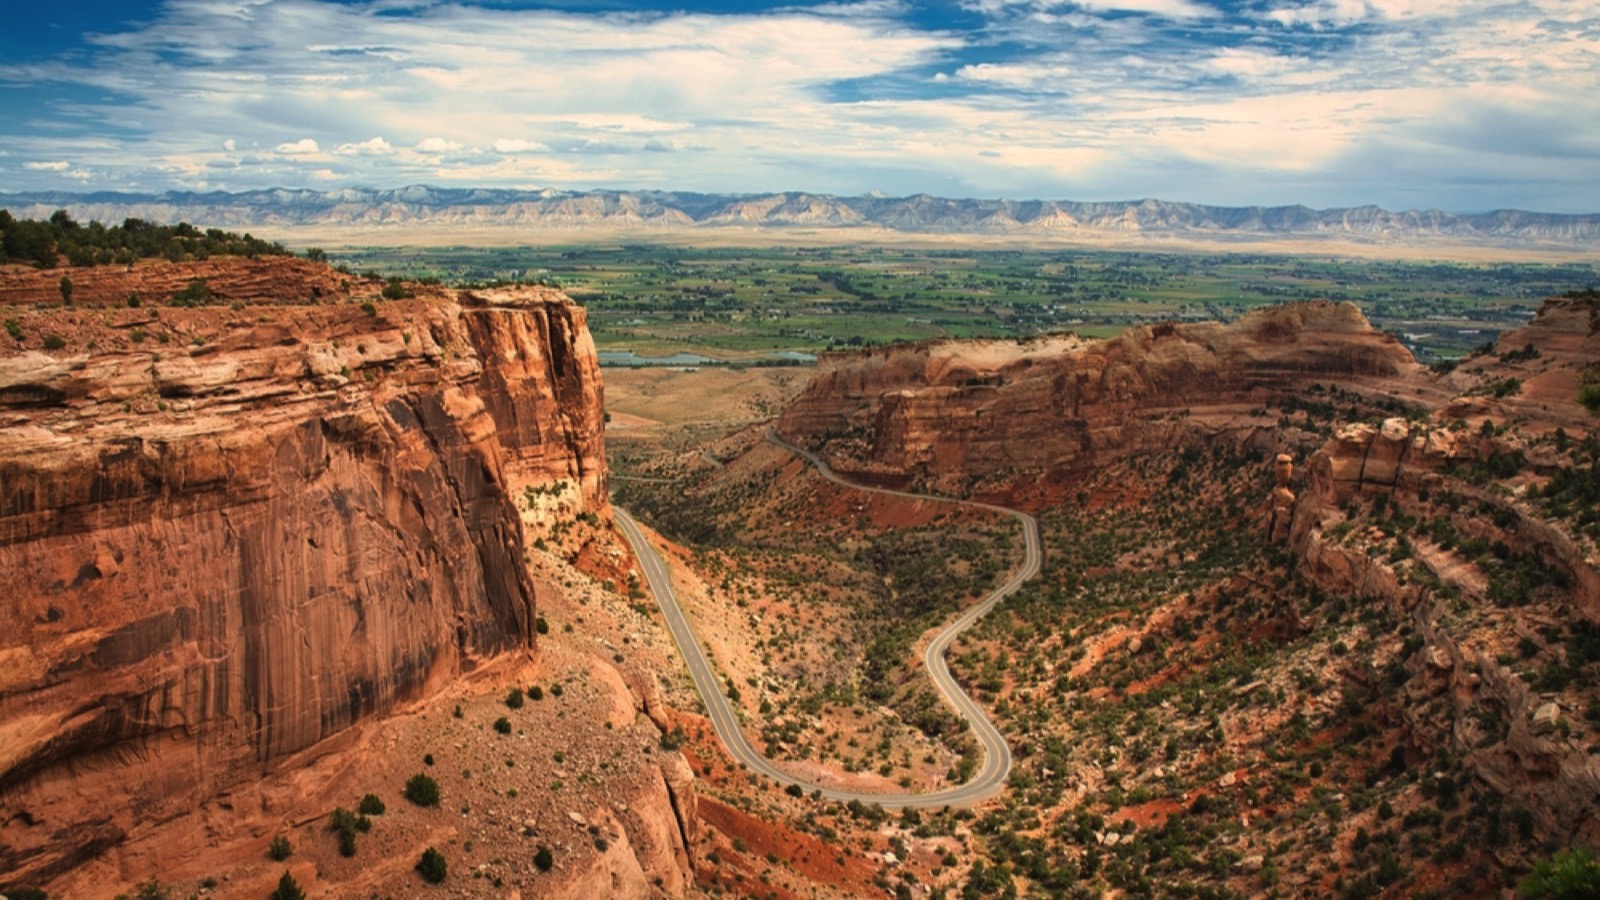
(778, 304)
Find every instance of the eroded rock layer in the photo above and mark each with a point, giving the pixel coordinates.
(239, 533)
(956, 414)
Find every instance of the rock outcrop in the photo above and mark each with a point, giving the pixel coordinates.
(950, 414)
(241, 532)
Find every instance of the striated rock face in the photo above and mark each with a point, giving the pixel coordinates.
(946, 412)
(284, 521)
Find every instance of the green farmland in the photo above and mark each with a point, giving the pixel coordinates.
(742, 303)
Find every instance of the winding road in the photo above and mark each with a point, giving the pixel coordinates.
(996, 753)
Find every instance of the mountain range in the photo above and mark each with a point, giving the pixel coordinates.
(916, 214)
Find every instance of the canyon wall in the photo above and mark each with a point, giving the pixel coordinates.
(959, 415)
(229, 534)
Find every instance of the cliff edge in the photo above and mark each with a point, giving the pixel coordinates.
(228, 534)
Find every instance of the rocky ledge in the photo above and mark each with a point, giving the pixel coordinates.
(954, 414)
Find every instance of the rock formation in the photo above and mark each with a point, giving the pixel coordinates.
(951, 413)
(1282, 516)
(226, 536)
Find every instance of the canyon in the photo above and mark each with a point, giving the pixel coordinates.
(1308, 608)
(1299, 687)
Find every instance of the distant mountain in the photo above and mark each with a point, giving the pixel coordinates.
(918, 214)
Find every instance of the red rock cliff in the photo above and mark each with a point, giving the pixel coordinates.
(226, 536)
(1008, 412)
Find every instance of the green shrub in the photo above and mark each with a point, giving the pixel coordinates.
(543, 858)
(432, 865)
(422, 790)
(1568, 875)
(14, 328)
(196, 293)
(288, 889)
(1588, 395)
(502, 725)
(514, 699)
(280, 849)
(371, 805)
(54, 342)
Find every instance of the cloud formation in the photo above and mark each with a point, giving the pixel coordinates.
(1466, 105)
(302, 147)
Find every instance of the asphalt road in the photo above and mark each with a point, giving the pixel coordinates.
(996, 753)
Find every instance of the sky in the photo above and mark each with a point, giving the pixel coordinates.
(1462, 105)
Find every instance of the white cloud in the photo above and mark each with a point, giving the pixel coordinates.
(1062, 98)
(302, 147)
(1170, 9)
(437, 145)
(518, 145)
(59, 165)
(375, 146)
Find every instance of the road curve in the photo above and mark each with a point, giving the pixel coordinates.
(996, 753)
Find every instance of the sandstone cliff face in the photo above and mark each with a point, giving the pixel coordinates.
(282, 522)
(950, 413)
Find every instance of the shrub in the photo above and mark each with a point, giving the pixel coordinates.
(1570, 873)
(66, 290)
(514, 699)
(280, 849)
(371, 308)
(536, 692)
(395, 289)
(14, 328)
(54, 342)
(432, 865)
(371, 805)
(196, 293)
(543, 858)
(288, 889)
(422, 790)
(502, 725)
(1588, 395)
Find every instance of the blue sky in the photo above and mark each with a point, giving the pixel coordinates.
(1455, 104)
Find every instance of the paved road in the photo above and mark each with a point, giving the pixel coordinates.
(996, 753)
